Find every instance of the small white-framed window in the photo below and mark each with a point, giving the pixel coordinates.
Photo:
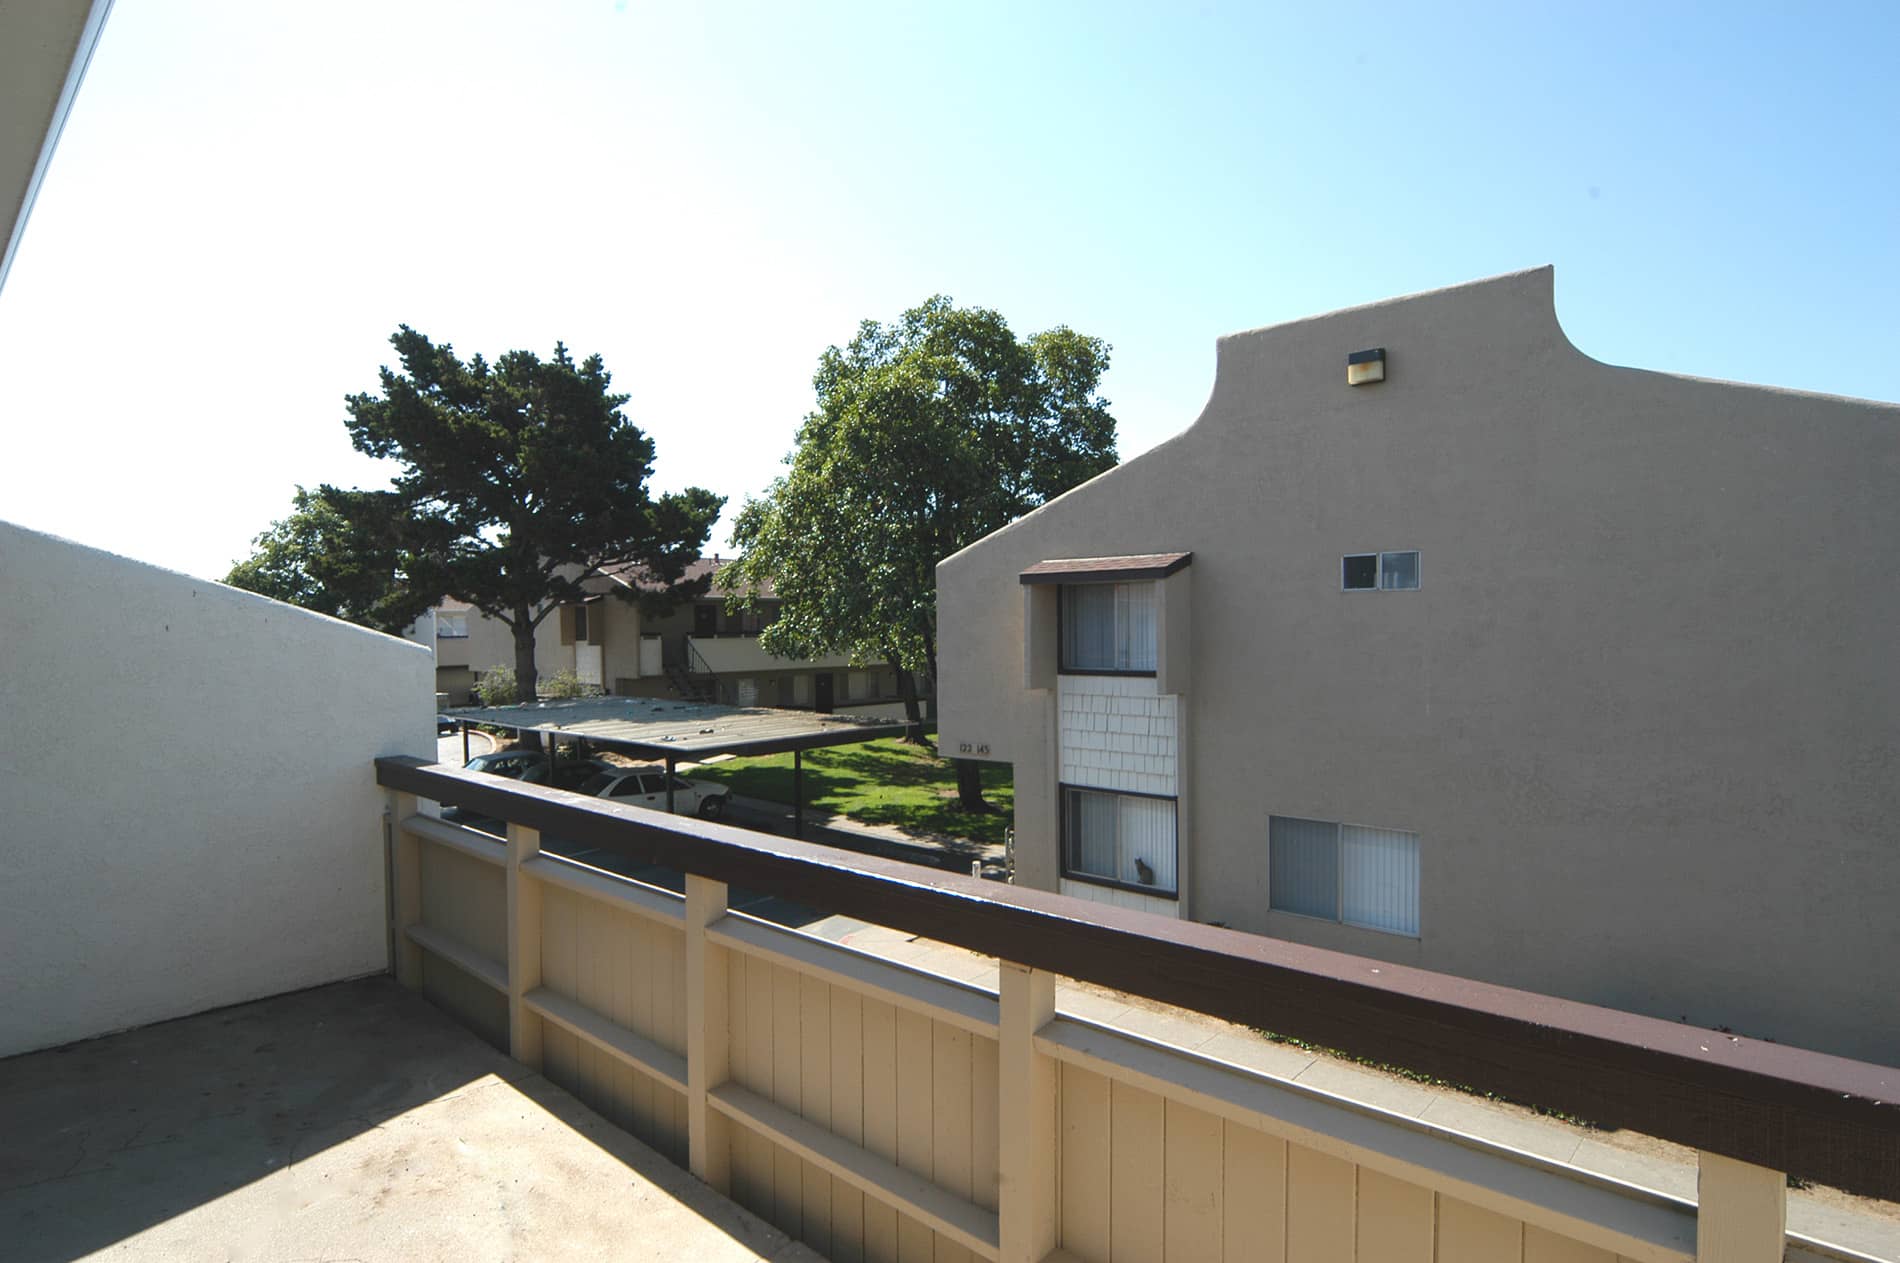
(1379, 572)
(1108, 629)
(451, 626)
(1351, 873)
(1125, 840)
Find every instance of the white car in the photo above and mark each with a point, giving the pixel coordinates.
(646, 787)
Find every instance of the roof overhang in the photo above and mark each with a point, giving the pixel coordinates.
(45, 46)
(1107, 569)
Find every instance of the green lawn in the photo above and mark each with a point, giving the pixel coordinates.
(878, 782)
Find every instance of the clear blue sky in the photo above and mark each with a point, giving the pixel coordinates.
(248, 199)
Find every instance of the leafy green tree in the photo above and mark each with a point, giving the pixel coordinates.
(335, 554)
(929, 433)
(517, 482)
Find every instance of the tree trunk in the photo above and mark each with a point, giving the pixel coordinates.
(525, 680)
(970, 785)
(913, 709)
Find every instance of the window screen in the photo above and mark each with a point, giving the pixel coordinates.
(1108, 627)
(1123, 838)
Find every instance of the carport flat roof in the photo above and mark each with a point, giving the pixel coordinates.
(667, 728)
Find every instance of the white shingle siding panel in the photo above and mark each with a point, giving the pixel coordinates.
(1117, 732)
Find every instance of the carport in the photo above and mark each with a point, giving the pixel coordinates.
(672, 732)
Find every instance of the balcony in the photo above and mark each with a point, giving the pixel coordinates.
(727, 655)
(897, 1063)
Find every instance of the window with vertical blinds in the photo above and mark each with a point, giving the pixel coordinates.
(1108, 628)
(1128, 839)
(1343, 872)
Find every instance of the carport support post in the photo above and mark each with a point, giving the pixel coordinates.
(798, 793)
(465, 743)
(669, 784)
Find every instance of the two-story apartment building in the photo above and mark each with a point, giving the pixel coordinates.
(1435, 640)
(697, 649)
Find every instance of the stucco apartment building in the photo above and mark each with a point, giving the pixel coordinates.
(699, 648)
(1437, 641)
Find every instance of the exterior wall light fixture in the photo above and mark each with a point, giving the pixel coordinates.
(1365, 367)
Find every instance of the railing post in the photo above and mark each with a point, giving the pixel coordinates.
(405, 879)
(1741, 1211)
(1026, 1123)
(524, 946)
(708, 1049)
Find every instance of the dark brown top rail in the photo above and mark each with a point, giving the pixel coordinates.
(1815, 1116)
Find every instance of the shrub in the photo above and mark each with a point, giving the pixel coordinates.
(496, 686)
(563, 684)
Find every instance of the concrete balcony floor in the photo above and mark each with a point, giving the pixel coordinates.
(352, 1121)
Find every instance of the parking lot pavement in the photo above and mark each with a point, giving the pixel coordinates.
(448, 747)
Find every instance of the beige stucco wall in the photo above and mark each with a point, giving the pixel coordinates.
(1644, 712)
(191, 814)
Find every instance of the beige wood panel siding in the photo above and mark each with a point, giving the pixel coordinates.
(916, 1092)
(1320, 1214)
(1468, 1232)
(1395, 1219)
(473, 1002)
(630, 970)
(465, 899)
(1541, 1246)
(1253, 1195)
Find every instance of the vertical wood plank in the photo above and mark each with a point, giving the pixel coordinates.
(706, 1036)
(1320, 1192)
(1193, 1183)
(1542, 1246)
(1467, 1232)
(914, 1100)
(788, 1178)
(751, 1162)
(951, 1128)
(1395, 1219)
(1085, 1163)
(951, 1102)
(984, 1103)
(586, 967)
(880, 1120)
(847, 1119)
(1137, 1134)
(1741, 1211)
(635, 958)
(814, 1059)
(616, 948)
(1253, 1195)
(558, 934)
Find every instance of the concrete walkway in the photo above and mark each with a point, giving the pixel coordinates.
(353, 1121)
(933, 849)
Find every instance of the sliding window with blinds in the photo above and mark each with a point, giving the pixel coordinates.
(1127, 839)
(1108, 628)
(1343, 872)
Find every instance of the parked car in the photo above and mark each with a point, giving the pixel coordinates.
(646, 787)
(529, 767)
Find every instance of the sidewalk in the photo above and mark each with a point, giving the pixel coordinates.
(935, 850)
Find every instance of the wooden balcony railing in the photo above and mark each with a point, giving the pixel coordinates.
(881, 1112)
